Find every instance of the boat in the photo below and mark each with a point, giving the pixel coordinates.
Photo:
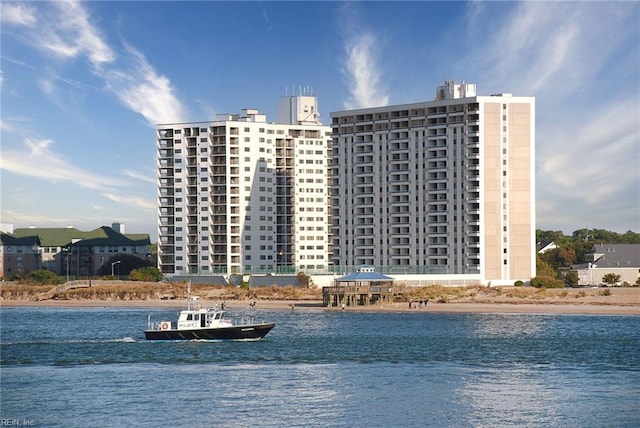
(205, 323)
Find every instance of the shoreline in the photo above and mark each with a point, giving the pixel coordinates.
(454, 307)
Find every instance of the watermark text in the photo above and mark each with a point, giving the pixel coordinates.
(7, 422)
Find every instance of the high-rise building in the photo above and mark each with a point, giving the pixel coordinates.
(444, 187)
(241, 195)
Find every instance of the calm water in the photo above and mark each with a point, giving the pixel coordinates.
(91, 367)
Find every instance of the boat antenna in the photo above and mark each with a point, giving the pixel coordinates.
(189, 294)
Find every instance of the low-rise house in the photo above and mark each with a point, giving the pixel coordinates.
(619, 259)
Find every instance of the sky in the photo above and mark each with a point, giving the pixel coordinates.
(83, 85)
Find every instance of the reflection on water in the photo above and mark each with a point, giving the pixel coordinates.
(92, 367)
(508, 325)
(493, 393)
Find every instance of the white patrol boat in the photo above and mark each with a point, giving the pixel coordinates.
(205, 323)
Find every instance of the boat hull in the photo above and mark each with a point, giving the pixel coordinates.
(241, 332)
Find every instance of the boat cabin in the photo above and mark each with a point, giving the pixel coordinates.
(202, 318)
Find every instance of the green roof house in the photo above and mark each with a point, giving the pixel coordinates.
(69, 251)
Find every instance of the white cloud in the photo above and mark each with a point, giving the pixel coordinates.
(65, 30)
(135, 201)
(60, 28)
(139, 176)
(38, 160)
(17, 14)
(544, 48)
(142, 90)
(596, 162)
(72, 34)
(363, 73)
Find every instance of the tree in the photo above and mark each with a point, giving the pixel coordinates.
(611, 278)
(544, 268)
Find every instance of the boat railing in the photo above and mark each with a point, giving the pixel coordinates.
(245, 320)
(160, 325)
(196, 305)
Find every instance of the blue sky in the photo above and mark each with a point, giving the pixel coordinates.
(83, 84)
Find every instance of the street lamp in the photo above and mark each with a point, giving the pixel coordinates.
(112, 265)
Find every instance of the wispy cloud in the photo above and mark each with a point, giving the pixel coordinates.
(18, 14)
(596, 144)
(64, 29)
(139, 176)
(361, 68)
(553, 49)
(143, 203)
(21, 219)
(363, 73)
(37, 159)
(142, 89)
(73, 34)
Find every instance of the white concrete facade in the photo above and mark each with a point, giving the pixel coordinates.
(241, 195)
(444, 187)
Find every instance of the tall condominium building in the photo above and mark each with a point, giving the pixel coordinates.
(241, 195)
(445, 186)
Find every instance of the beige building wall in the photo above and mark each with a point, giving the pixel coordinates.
(509, 190)
(492, 172)
(521, 206)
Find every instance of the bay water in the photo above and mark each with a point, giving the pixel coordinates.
(92, 367)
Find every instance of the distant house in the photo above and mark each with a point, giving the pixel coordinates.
(19, 255)
(619, 259)
(72, 252)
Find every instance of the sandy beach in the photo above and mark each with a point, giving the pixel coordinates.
(620, 301)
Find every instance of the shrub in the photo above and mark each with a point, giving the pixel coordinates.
(43, 276)
(518, 283)
(546, 282)
(611, 278)
(148, 274)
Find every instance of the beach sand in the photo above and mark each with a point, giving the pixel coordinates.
(620, 301)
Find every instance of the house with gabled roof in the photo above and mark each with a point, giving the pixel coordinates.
(619, 259)
(72, 252)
